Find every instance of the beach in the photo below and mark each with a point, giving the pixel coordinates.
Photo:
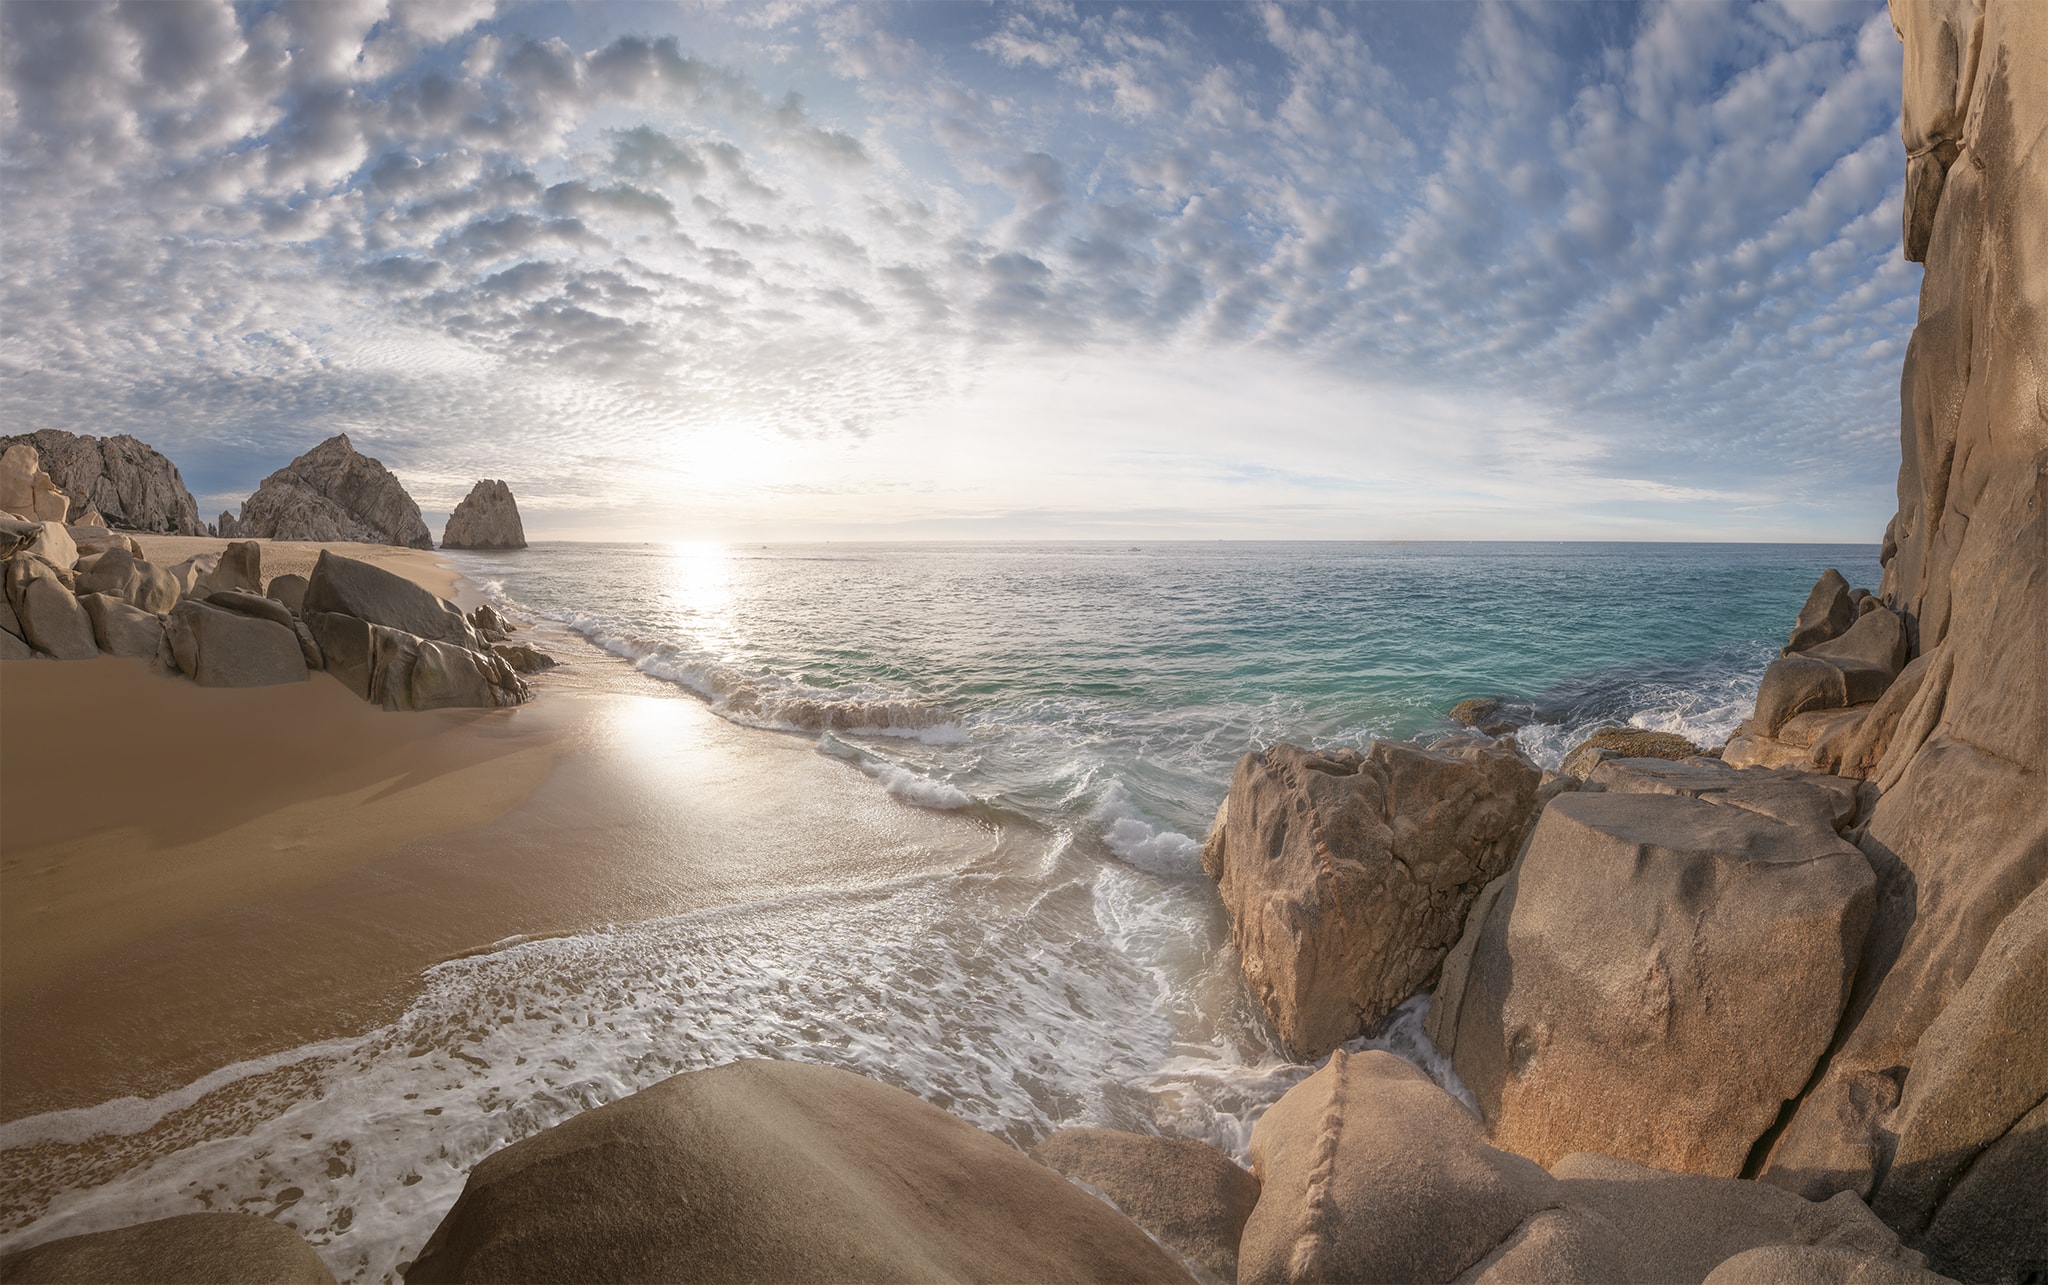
(209, 877)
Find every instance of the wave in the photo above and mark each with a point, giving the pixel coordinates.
(1138, 841)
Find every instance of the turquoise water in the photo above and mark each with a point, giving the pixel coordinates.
(1084, 704)
(1064, 681)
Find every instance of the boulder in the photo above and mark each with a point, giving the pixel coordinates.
(1624, 742)
(10, 624)
(489, 623)
(118, 573)
(1664, 966)
(47, 503)
(240, 568)
(290, 590)
(18, 468)
(355, 588)
(487, 518)
(250, 604)
(443, 676)
(1828, 611)
(1370, 1172)
(51, 620)
(1347, 876)
(98, 539)
(1854, 669)
(1192, 1197)
(334, 493)
(228, 1249)
(524, 658)
(1815, 1265)
(51, 542)
(218, 648)
(191, 574)
(124, 630)
(347, 648)
(309, 647)
(777, 1171)
(1487, 714)
(13, 648)
(124, 479)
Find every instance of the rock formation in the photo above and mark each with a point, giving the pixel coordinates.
(126, 480)
(26, 491)
(1959, 838)
(1347, 876)
(1624, 742)
(777, 1171)
(333, 493)
(1368, 1171)
(1663, 968)
(394, 644)
(487, 518)
(228, 1249)
(1192, 1197)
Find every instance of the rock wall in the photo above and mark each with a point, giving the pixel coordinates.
(487, 518)
(1960, 837)
(332, 492)
(123, 479)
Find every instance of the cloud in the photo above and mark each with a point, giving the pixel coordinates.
(1672, 229)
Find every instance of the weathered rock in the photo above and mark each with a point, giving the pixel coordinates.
(290, 590)
(46, 502)
(1980, 1068)
(218, 648)
(119, 574)
(443, 676)
(1794, 684)
(51, 542)
(356, 588)
(309, 647)
(240, 568)
(1993, 1224)
(488, 622)
(347, 648)
(1959, 837)
(1815, 1265)
(98, 539)
(1487, 714)
(487, 518)
(1663, 967)
(1347, 876)
(225, 526)
(228, 1249)
(1871, 738)
(18, 468)
(120, 477)
(1877, 641)
(524, 658)
(1370, 1172)
(10, 623)
(1827, 612)
(124, 630)
(191, 574)
(333, 493)
(1192, 1197)
(12, 647)
(1624, 742)
(51, 620)
(777, 1171)
(250, 604)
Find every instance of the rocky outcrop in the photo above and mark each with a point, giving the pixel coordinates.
(230, 1249)
(51, 619)
(1624, 743)
(1369, 1171)
(334, 493)
(777, 1171)
(219, 648)
(1347, 876)
(352, 587)
(1960, 836)
(120, 574)
(1192, 1197)
(124, 479)
(487, 518)
(1663, 968)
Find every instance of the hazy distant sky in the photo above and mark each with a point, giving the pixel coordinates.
(794, 270)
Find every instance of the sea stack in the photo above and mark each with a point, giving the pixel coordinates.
(333, 492)
(488, 518)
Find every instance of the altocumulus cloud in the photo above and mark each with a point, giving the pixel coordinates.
(1490, 259)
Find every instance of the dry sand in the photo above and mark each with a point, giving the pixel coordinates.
(192, 877)
(296, 557)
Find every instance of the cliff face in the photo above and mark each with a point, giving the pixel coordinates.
(332, 492)
(1960, 836)
(126, 480)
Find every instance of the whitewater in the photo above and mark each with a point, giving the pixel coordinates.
(1084, 705)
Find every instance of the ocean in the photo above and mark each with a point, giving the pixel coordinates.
(1082, 703)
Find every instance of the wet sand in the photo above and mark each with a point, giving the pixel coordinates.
(193, 877)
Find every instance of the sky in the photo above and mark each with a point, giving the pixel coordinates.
(784, 270)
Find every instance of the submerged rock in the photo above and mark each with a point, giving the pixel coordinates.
(777, 1171)
(487, 518)
(1347, 876)
(334, 493)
